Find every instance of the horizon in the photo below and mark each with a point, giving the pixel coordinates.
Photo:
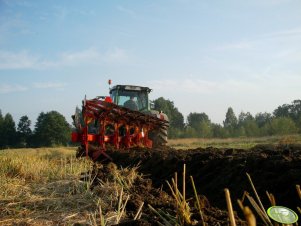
(202, 55)
(33, 122)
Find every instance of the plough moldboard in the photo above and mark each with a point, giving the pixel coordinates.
(102, 124)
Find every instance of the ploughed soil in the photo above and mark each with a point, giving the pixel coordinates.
(276, 169)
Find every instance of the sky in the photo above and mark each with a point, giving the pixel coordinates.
(203, 55)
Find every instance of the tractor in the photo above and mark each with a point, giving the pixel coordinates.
(124, 120)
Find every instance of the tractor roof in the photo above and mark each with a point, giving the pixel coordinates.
(130, 88)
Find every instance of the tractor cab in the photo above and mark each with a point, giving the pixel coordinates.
(132, 97)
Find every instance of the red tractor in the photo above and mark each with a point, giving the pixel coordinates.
(123, 120)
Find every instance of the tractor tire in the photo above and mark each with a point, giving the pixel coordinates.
(159, 137)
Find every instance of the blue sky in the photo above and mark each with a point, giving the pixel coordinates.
(203, 55)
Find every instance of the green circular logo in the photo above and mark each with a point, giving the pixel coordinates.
(282, 215)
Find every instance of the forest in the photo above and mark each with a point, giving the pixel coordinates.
(52, 129)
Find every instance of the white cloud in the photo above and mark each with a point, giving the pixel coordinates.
(8, 88)
(282, 34)
(26, 60)
(116, 55)
(16, 3)
(200, 86)
(88, 55)
(273, 54)
(48, 85)
(19, 60)
(83, 12)
(271, 2)
(127, 11)
(13, 88)
(241, 45)
(289, 38)
(93, 56)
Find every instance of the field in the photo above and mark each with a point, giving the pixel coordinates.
(48, 186)
(242, 142)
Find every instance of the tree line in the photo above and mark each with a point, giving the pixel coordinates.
(52, 129)
(285, 119)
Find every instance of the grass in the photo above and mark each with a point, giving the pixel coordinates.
(43, 187)
(241, 142)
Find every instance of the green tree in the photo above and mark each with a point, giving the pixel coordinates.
(230, 123)
(24, 131)
(176, 119)
(218, 131)
(247, 125)
(282, 126)
(8, 131)
(201, 123)
(190, 132)
(263, 121)
(1, 130)
(282, 111)
(51, 129)
(263, 118)
(292, 110)
(194, 119)
(240, 131)
(231, 119)
(298, 124)
(295, 110)
(251, 128)
(205, 130)
(244, 117)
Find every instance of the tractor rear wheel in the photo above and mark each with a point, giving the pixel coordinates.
(159, 137)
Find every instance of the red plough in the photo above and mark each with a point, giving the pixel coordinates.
(102, 124)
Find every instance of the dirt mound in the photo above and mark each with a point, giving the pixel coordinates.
(276, 169)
